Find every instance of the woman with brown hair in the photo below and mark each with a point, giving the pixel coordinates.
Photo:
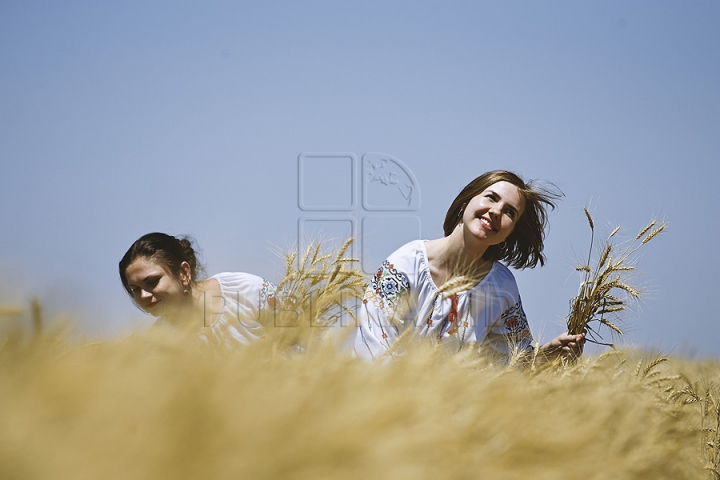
(496, 218)
(160, 273)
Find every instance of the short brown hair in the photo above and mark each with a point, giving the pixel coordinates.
(524, 246)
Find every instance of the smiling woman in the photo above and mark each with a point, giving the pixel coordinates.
(455, 289)
(160, 273)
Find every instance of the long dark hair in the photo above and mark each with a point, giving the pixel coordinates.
(164, 249)
(524, 246)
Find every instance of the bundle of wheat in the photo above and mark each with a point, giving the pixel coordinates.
(604, 289)
(318, 292)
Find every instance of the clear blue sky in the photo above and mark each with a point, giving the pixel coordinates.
(121, 118)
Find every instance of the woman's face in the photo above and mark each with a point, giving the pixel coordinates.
(492, 215)
(153, 287)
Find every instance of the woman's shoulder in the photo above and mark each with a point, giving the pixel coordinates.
(500, 277)
(410, 259)
(239, 281)
(246, 288)
(408, 255)
(410, 249)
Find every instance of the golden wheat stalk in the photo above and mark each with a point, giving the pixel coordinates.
(318, 290)
(456, 285)
(596, 296)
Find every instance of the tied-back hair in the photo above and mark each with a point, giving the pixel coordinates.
(524, 246)
(165, 249)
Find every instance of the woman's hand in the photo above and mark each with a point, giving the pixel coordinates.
(570, 346)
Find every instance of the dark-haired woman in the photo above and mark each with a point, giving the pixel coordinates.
(160, 273)
(496, 218)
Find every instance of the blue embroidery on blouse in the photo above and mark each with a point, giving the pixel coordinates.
(386, 288)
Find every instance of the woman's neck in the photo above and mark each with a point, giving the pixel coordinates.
(192, 311)
(450, 256)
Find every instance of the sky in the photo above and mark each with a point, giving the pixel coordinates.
(246, 124)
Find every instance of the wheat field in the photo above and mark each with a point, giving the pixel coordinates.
(158, 405)
(163, 404)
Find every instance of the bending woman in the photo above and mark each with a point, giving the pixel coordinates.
(160, 273)
(496, 218)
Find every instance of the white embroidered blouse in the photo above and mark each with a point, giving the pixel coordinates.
(402, 295)
(244, 298)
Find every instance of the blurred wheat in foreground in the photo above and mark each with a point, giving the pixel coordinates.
(156, 406)
(161, 404)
